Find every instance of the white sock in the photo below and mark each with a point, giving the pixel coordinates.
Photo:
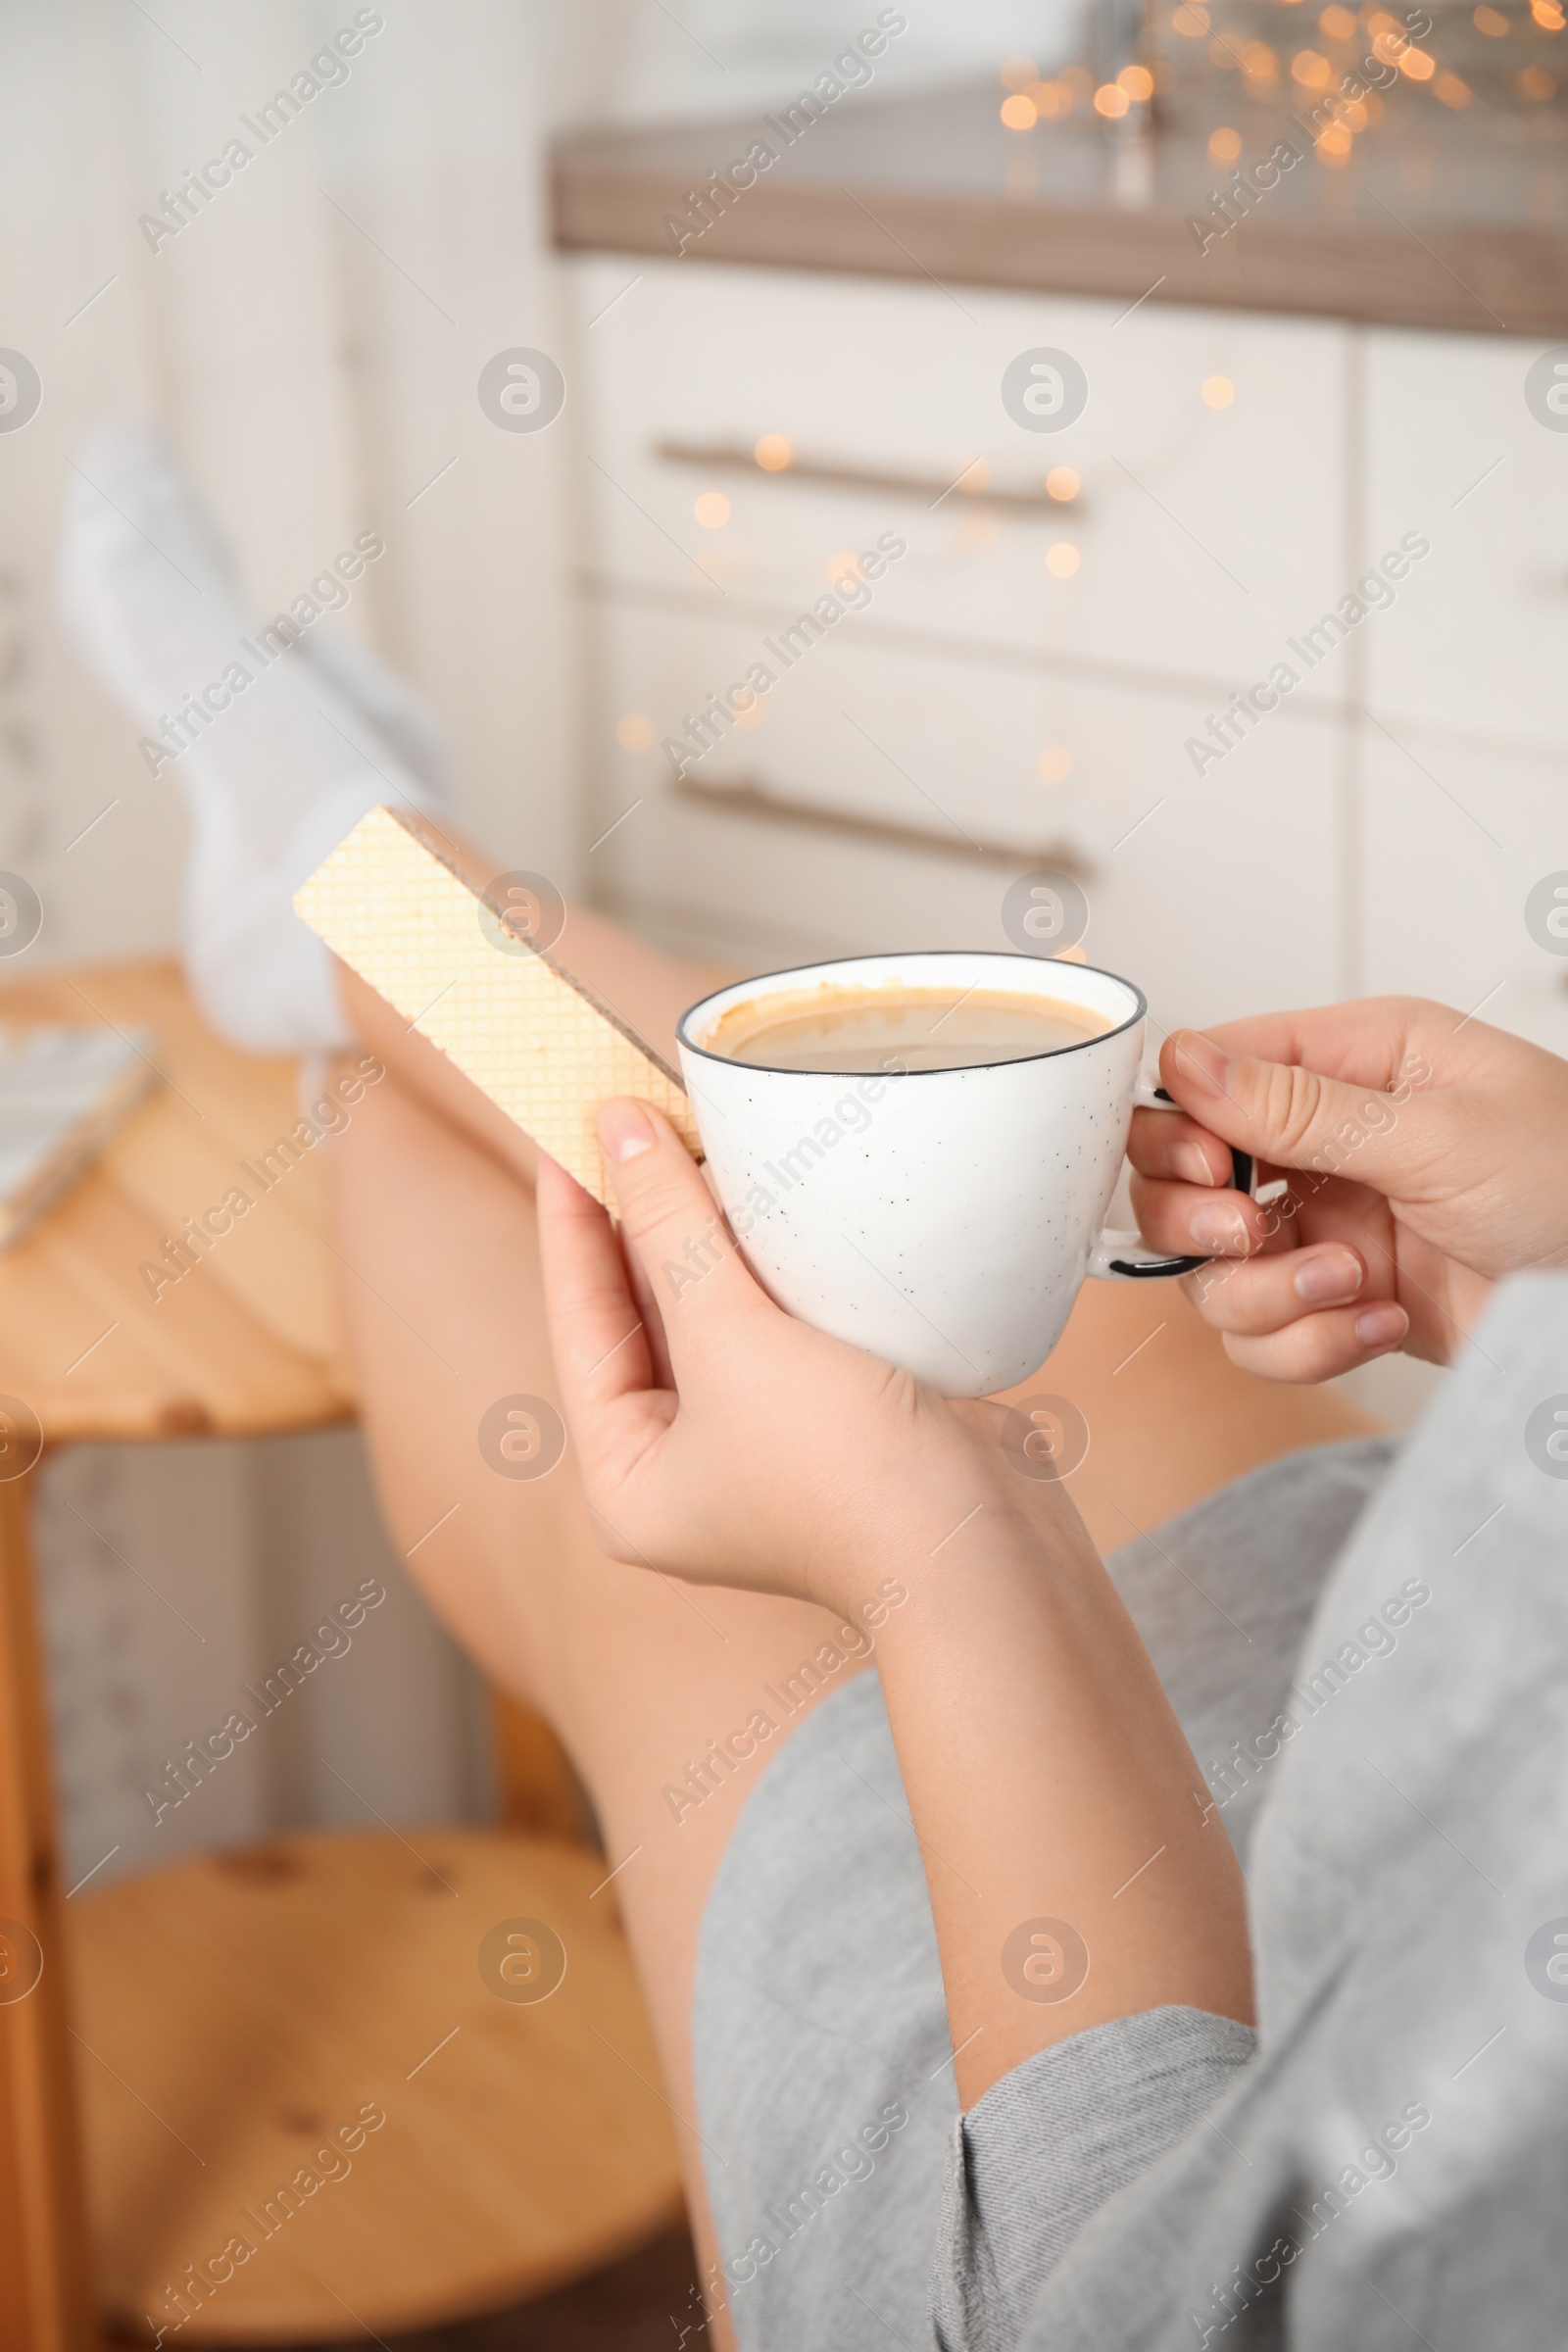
(320, 733)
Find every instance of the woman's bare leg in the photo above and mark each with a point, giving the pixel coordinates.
(434, 1220)
(639, 1674)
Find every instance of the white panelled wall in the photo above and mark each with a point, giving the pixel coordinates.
(311, 341)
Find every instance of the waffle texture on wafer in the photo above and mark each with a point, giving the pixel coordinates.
(534, 1040)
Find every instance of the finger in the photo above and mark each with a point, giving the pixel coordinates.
(596, 1333)
(1322, 1347)
(1258, 1296)
(1294, 1116)
(1166, 1142)
(1372, 1040)
(696, 1273)
(1197, 1220)
(647, 1306)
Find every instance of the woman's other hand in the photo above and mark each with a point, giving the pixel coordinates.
(1423, 1155)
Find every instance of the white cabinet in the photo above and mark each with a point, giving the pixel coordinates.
(1456, 840)
(1464, 763)
(1202, 536)
(989, 707)
(938, 760)
(1479, 639)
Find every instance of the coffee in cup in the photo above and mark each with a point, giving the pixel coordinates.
(831, 1028)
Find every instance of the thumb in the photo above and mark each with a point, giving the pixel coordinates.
(671, 1220)
(1281, 1113)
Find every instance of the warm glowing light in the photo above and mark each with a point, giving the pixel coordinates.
(1337, 24)
(713, 510)
(1311, 68)
(1260, 63)
(979, 528)
(1063, 483)
(843, 567)
(1219, 391)
(1018, 112)
(1224, 146)
(1491, 21)
(1548, 15)
(1018, 72)
(753, 713)
(773, 453)
(1191, 20)
(1054, 763)
(1335, 144)
(975, 478)
(1355, 116)
(1418, 64)
(634, 733)
(1137, 82)
(1050, 100)
(1452, 91)
(1111, 101)
(1063, 560)
(1536, 82)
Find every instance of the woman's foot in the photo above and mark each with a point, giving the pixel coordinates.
(282, 735)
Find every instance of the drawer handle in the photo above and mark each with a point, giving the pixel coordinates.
(728, 457)
(746, 797)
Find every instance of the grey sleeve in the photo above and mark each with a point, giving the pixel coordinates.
(1050, 2143)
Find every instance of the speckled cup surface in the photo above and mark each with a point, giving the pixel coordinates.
(941, 1219)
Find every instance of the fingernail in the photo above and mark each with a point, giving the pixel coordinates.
(1381, 1325)
(1188, 1162)
(1333, 1275)
(1199, 1057)
(1220, 1229)
(624, 1131)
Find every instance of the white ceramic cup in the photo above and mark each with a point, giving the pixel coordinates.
(941, 1219)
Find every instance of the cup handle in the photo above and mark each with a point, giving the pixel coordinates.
(1122, 1257)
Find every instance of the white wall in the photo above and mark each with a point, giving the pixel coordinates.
(311, 342)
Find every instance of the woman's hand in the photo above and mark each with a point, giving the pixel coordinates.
(1426, 1156)
(720, 1439)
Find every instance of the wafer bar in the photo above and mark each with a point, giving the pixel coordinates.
(536, 1041)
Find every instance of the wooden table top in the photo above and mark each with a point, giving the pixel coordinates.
(1437, 218)
(248, 1341)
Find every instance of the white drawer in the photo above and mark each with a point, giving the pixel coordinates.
(1479, 639)
(1204, 538)
(1446, 890)
(1212, 894)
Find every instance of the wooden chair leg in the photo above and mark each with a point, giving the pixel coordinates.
(46, 2300)
(538, 1790)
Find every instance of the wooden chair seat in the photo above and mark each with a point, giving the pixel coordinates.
(242, 2016)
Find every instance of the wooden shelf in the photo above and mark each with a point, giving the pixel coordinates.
(232, 2013)
(246, 1343)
